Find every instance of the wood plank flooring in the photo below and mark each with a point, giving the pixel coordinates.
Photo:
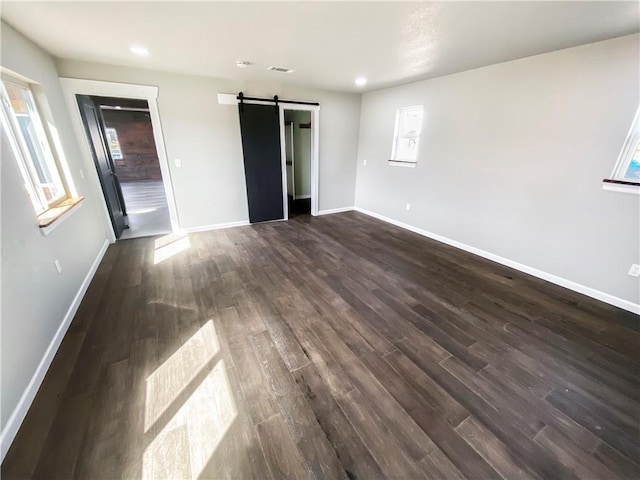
(336, 347)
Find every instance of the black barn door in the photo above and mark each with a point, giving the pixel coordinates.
(104, 164)
(260, 127)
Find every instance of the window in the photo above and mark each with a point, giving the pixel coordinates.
(114, 144)
(627, 169)
(407, 135)
(35, 157)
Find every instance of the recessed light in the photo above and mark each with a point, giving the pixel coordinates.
(361, 81)
(243, 63)
(139, 50)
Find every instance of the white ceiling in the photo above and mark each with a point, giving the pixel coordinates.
(328, 44)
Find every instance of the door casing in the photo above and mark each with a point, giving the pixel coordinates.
(74, 86)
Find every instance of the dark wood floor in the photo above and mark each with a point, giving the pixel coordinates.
(331, 347)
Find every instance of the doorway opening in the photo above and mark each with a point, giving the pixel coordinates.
(121, 135)
(298, 151)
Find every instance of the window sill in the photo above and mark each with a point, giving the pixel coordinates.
(621, 186)
(400, 163)
(50, 219)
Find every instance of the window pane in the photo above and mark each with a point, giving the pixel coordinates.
(411, 122)
(42, 167)
(407, 148)
(408, 129)
(633, 170)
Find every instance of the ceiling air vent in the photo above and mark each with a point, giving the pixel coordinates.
(280, 69)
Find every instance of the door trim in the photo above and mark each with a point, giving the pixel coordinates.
(293, 160)
(74, 86)
(283, 161)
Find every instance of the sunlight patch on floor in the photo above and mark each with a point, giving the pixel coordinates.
(170, 245)
(182, 448)
(140, 210)
(164, 386)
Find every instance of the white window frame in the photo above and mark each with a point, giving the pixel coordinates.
(617, 181)
(18, 144)
(405, 162)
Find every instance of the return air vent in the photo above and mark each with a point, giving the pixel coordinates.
(280, 69)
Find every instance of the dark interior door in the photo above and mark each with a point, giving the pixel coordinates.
(260, 127)
(104, 164)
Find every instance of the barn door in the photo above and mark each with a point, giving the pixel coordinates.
(260, 128)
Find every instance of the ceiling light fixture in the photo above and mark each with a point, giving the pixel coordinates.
(243, 63)
(361, 81)
(139, 50)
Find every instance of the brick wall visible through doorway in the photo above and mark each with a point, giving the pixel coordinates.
(135, 134)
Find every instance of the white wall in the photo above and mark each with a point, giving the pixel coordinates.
(210, 186)
(511, 162)
(35, 299)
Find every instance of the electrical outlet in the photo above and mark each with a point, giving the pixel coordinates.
(81, 174)
(408, 207)
(178, 162)
(364, 162)
(634, 271)
(58, 266)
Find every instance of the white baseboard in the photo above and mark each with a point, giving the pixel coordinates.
(301, 197)
(336, 210)
(17, 416)
(563, 282)
(217, 226)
